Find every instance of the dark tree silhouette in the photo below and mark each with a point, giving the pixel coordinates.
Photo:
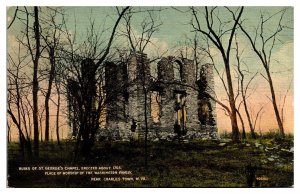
(262, 44)
(215, 36)
(138, 44)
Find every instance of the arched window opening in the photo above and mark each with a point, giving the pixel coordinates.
(177, 66)
(153, 71)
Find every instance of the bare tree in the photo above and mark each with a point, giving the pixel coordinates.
(262, 44)
(216, 36)
(58, 89)
(41, 119)
(201, 54)
(18, 91)
(284, 101)
(51, 36)
(85, 66)
(35, 83)
(244, 87)
(138, 44)
(35, 53)
(42, 33)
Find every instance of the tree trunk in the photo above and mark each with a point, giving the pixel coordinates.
(57, 115)
(216, 40)
(146, 127)
(48, 94)
(21, 135)
(35, 84)
(233, 118)
(41, 126)
(47, 117)
(279, 121)
(243, 125)
(8, 133)
(18, 122)
(248, 117)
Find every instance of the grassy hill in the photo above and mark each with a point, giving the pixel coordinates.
(257, 163)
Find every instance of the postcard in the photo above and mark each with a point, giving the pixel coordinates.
(150, 96)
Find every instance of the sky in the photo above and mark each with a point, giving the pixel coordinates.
(171, 35)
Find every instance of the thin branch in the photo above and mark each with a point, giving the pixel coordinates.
(15, 15)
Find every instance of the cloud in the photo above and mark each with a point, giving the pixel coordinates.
(282, 64)
(12, 44)
(156, 47)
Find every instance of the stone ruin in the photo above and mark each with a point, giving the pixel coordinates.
(176, 103)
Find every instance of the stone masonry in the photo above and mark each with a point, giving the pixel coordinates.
(183, 101)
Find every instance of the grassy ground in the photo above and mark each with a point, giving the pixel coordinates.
(170, 164)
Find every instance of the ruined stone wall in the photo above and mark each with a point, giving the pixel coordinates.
(166, 76)
(189, 78)
(207, 107)
(126, 88)
(137, 77)
(116, 99)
